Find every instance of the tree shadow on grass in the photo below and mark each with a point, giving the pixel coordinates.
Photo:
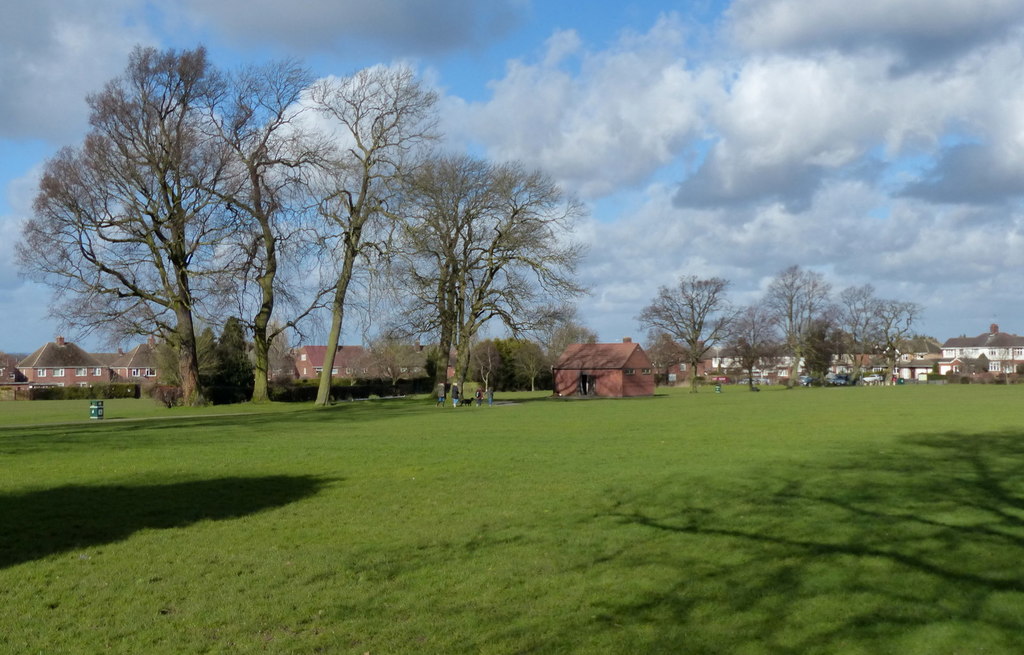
(36, 524)
(920, 549)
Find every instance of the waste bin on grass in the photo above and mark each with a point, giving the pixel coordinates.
(96, 409)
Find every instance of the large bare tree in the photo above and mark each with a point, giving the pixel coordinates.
(696, 312)
(754, 342)
(379, 118)
(485, 242)
(858, 316)
(796, 298)
(259, 119)
(895, 322)
(125, 226)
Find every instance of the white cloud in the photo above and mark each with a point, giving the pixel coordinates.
(921, 31)
(54, 54)
(598, 121)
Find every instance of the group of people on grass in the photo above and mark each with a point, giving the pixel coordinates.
(478, 395)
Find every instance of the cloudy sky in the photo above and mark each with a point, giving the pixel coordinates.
(877, 142)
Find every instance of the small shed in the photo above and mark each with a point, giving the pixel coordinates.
(611, 370)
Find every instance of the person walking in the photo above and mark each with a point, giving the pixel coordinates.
(490, 397)
(455, 394)
(479, 395)
(442, 394)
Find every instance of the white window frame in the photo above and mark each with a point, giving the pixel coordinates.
(58, 372)
(42, 372)
(81, 372)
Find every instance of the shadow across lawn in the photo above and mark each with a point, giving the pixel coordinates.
(37, 524)
(918, 549)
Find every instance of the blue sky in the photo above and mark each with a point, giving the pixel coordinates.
(877, 142)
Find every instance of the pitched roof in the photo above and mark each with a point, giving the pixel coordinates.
(61, 354)
(986, 340)
(597, 355)
(141, 356)
(923, 345)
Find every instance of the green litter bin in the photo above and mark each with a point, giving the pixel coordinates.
(96, 409)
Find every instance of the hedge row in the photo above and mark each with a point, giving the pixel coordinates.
(299, 392)
(93, 391)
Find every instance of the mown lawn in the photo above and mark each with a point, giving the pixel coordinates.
(866, 520)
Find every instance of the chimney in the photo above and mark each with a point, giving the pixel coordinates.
(627, 339)
(60, 341)
(151, 341)
(993, 328)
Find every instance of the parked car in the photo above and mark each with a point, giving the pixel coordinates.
(871, 379)
(806, 380)
(839, 380)
(760, 381)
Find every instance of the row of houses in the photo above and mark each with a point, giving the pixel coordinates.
(625, 369)
(609, 369)
(61, 363)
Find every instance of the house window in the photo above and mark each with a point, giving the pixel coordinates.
(334, 371)
(993, 367)
(134, 373)
(303, 357)
(646, 371)
(41, 373)
(150, 372)
(81, 372)
(58, 372)
(96, 371)
(630, 371)
(348, 371)
(83, 384)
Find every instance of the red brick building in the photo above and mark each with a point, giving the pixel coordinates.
(63, 364)
(613, 370)
(349, 362)
(137, 365)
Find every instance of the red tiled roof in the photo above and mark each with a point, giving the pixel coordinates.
(59, 355)
(596, 355)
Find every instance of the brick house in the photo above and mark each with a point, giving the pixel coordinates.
(357, 362)
(9, 371)
(349, 362)
(137, 365)
(992, 352)
(63, 364)
(612, 370)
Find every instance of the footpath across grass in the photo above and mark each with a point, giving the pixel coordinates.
(878, 520)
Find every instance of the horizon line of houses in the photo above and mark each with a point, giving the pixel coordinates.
(62, 363)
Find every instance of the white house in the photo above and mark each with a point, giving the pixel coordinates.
(997, 352)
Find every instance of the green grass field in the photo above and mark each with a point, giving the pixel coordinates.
(866, 520)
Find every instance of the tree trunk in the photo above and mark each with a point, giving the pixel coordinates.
(323, 394)
(261, 322)
(188, 359)
(261, 366)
